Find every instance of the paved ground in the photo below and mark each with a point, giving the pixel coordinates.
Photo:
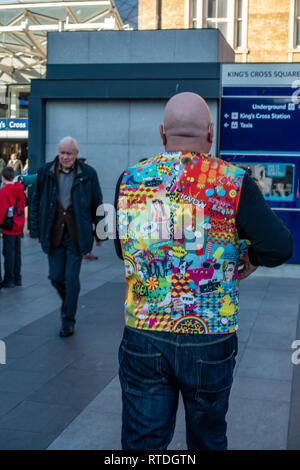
(64, 393)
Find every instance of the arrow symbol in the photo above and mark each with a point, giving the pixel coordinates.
(226, 115)
(226, 124)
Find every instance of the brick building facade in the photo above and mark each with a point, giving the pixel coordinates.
(258, 31)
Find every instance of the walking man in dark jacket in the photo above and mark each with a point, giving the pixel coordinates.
(63, 211)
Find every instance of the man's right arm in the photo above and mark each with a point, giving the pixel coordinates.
(271, 241)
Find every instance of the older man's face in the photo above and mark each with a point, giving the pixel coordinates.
(67, 154)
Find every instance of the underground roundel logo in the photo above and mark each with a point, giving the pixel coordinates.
(191, 324)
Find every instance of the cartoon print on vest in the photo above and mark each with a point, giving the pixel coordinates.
(207, 270)
(228, 271)
(174, 307)
(227, 308)
(183, 288)
(128, 270)
(183, 266)
(160, 215)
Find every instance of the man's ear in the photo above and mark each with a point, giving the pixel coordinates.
(162, 134)
(211, 133)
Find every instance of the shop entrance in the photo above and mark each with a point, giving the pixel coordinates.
(20, 147)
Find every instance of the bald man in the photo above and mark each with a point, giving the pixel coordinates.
(180, 216)
(63, 212)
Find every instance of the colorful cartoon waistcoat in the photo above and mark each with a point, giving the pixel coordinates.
(176, 222)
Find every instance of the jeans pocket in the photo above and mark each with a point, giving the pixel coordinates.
(140, 370)
(215, 376)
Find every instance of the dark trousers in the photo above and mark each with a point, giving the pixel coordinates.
(154, 367)
(64, 270)
(12, 257)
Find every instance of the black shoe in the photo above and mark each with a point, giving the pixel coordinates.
(18, 283)
(7, 285)
(66, 331)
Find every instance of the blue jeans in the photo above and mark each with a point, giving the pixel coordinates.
(64, 271)
(154, 367)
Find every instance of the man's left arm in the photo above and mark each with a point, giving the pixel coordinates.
(117, 242)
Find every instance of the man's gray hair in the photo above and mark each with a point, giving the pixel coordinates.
(69, 140)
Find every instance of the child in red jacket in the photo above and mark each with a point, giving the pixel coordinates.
(12, 195)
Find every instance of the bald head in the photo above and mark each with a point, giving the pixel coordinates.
(187, 124)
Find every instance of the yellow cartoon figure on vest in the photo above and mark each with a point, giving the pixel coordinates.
(227, 308)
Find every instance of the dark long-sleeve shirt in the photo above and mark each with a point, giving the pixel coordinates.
(271, 241)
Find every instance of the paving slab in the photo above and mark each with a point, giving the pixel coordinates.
(24, 440)
(257, 424)
(254, 388)
(266, 364)
(38, 417)
(10, 400)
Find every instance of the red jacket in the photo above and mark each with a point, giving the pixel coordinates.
(13, 195)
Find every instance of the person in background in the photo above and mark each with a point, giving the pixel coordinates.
(2, 164)
(12, 196)
(63, 211)
(16, 164)
(88, 256)
(25, 169)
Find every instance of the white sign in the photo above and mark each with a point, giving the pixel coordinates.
(260, 74)
(14, 134)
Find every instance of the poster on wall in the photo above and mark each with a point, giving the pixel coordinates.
(275, 180)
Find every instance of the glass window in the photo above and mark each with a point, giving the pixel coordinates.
(194, 7)
(217, 15)
(212, 9)
(86, 12)
(222, 8)
(239, 23)
(7, 16)
(298, 24)
(3, 101)
(229, 16)
(18, 99)
(58, 13)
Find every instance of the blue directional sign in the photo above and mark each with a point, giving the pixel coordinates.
(17, 124)
(255, 124)
(14, 124)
